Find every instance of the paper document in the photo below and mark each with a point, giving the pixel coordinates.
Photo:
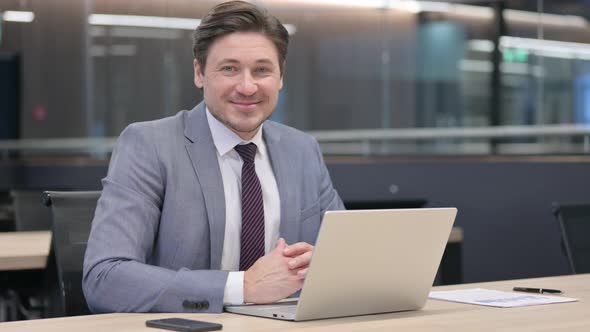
(496, 298)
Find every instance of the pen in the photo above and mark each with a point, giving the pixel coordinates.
(536, 290)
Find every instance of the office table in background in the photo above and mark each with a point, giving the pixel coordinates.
(24, 250)
(436, 316)
(23, 259)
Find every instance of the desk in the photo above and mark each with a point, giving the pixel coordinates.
(436, 316)
(24, 250)
(23, 256)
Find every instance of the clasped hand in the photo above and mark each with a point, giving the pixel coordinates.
(278, 274)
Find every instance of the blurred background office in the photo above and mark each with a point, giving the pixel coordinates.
(89, 68)
(483, 105)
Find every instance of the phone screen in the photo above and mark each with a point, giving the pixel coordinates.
(183, 325)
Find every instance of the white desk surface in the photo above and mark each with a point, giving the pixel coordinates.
(435, 316)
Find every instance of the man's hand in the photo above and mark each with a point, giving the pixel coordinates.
(271, 279)
(300, 256)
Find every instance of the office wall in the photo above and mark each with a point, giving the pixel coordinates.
(9, 95)
(348, 68)
(84, 80)
(53, 81)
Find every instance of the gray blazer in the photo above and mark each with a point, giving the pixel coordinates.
(157, 234)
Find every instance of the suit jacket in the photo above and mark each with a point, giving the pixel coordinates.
(157, 234)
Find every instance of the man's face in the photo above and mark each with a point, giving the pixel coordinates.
(241, 81)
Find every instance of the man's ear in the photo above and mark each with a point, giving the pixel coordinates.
(282, 74)
(199, 76)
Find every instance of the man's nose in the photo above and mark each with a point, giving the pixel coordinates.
(247, 85)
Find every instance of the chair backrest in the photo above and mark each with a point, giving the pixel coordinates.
(72, 217)
(574, 223)
(6, 213)
(29, 212)
(400, 203)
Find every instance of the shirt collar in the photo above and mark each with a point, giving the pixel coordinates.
(225, 140)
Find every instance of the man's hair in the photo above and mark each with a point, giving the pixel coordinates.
(238, 16)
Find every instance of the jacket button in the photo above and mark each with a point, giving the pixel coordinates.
(189, 304)
(204, 305)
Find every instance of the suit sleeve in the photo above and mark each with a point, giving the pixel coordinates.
(329, 198)
(117, 273)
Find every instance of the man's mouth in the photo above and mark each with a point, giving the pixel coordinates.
(244, 102)
(245, 105)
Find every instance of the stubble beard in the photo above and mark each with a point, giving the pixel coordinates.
(237, 129)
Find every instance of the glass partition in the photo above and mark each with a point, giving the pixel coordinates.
(364, 77)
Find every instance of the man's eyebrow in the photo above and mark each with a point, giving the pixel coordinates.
(224, 61)
(233, 61)
(266, 61)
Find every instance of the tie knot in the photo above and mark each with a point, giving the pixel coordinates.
(246, 152)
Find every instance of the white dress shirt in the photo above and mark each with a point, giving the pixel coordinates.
(230, 165)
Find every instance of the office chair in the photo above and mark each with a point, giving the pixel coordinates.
(6, 213)
(29, 212)
(400, 203)
(72, 217)
(574, 223)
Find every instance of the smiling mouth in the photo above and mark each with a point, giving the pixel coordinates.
(245, 103)
(246, 106)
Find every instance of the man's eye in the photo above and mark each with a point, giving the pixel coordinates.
(262, 70)
(228, 68)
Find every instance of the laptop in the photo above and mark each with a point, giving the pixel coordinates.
(367, 262)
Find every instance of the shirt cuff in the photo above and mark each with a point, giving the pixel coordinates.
(234, 289)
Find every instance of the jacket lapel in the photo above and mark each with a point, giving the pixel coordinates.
(283, 170)
(203, 156)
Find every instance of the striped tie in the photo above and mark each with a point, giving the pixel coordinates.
(252, 240)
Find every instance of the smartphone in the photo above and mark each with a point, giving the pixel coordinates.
(183, 325)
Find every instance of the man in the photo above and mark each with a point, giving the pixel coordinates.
(197, 209)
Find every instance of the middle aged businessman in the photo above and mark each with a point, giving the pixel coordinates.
(197, 210)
